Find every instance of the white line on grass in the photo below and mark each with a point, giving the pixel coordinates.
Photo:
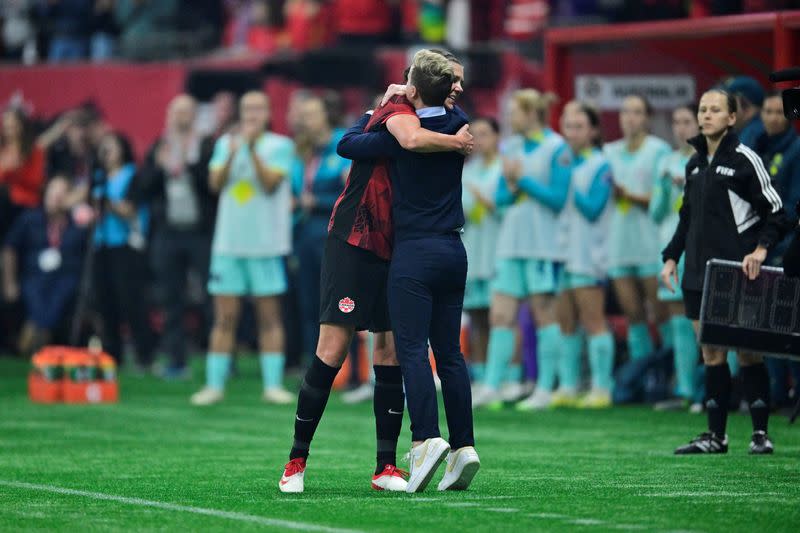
(241, 517)
(686, 494)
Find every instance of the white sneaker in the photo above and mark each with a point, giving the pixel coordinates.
(423, 460)
(462, 465)
(484, 396)
(360, 394)
(511, 391)
(540, 399)
(207, 396)
(293, 474)
(278, 395)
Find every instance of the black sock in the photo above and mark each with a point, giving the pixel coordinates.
(718, 393)
(756, 389)
(314, 393)
(388, 406)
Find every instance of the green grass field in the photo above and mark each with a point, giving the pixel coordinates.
(153, 462)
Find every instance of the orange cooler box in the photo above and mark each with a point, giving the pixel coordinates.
(73, 375)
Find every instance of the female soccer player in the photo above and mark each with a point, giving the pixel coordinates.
(664, 207)
(582, 297)
(480, 179)
(528, 250)
(730, 211)
(252, 235)
(633, 243)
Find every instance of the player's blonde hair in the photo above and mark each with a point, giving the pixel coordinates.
(432, 64)
(531, 100)
(432, 75)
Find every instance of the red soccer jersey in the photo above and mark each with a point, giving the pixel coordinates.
(362, 215)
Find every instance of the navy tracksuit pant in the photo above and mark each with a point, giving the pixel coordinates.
(426, 296)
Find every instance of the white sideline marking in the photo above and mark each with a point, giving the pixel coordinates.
(461, 504)
(501, 509)
(709, 494)
(230, 515)
(546, 515)
(585, 522)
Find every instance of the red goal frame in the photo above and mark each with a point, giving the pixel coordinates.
(742, 44)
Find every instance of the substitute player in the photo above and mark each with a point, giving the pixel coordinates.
(665, 205)
(730, 211)
(582, 282)
(528, 251)
(482, 174)
(633, 244)
(252, 235)
(354, 273)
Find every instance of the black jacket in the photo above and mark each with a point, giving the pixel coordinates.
(730, 206)
(151, 187)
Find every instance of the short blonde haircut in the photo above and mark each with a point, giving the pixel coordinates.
(432, 74)
(431, 63)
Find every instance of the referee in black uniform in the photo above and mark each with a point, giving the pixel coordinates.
(730, 211)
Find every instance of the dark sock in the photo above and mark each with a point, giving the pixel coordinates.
(755, 380)
(314, 393)
(718, 393)
(387, 404)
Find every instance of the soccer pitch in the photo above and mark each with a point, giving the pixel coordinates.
(153, 462)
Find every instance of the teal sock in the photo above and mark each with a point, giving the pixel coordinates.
(478, 372)
(514, 374)
(569, 361)
(601, 361)
(548, 346)
(217, 369)
(498, 355)
(272, 369)
(639, 342)
(667, 337)
(686, 355)
(733, 362)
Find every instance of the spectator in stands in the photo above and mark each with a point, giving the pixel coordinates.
(365, 22)
(42, 261)
(254, 25)
(307, 24)
(70, 28)
(148, 28)
(18, 32)
(120, 265)
(750, 97)
(318, 179)
(22, 165)
(174, 181)
(105, 31)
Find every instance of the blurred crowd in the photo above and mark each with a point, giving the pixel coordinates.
(58, 31)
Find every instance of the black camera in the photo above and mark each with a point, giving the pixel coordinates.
(791, 97)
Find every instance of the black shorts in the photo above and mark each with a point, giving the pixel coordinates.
(691, 302)
(353, 287)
